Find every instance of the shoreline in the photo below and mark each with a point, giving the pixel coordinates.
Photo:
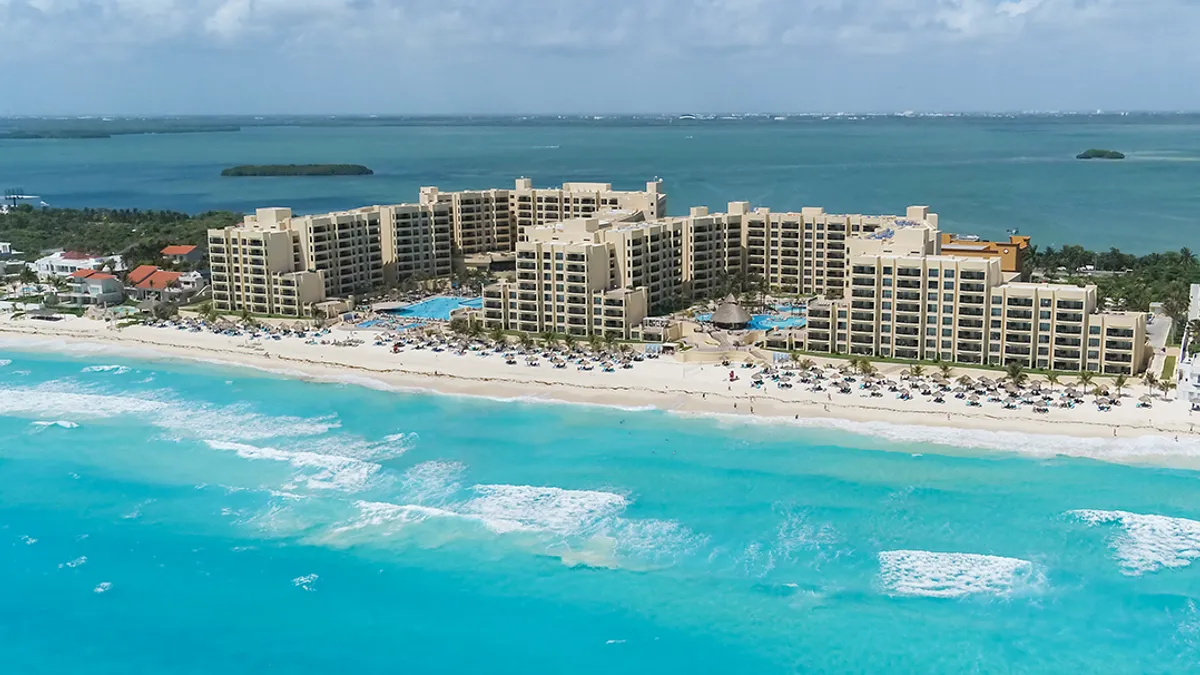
(1164, 435)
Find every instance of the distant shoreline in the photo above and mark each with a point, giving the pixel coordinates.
(256, 170)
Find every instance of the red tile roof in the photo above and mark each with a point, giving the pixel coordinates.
(141, 273)
(83, 274)
(178, 250)
(159, 280)
(96, 276)
(74, 255)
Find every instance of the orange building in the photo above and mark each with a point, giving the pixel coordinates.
(1010, 253)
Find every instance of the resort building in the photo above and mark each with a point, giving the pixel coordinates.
(63, 264)
(1011, 253)
(531, 206)
(931, 307)
(418, 240)
(260, 267)
(481, 221)
(569, 280)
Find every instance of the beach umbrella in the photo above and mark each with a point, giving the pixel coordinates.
(974, 398)
(1145, 398)
(757, 377)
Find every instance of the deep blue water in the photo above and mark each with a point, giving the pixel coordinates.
(982, 175)
(195, 519)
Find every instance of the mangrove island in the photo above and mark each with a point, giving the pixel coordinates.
(298, 170)
(1095, 153)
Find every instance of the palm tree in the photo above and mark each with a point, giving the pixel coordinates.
(1085, 379)
(610, 340)
(569, 340)
(917, 371)
(1016, 373)
(1166, 386)
(476, 329)
(1098, 391)
(594, 342)
(1052, 380)
(867, 368)
(526, 340)
(1119, 383)
(497, 335)
(1150, 380)
(808, 364)
(548, 340)
(945, 368)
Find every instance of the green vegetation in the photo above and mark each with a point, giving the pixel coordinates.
(1127, 281)
(1096, 153)
(1168, 371)
(139, 236)
(298, 170)
(42, 129)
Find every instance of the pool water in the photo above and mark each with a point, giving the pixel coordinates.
(767, 321)
(438, 307)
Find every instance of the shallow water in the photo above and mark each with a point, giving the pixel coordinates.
(161, 517)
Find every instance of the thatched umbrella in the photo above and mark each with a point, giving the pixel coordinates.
(730, 315)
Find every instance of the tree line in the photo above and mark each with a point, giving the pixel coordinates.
(138, 236)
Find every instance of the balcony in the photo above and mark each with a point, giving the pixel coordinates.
(1020, 314)
(1071, 317)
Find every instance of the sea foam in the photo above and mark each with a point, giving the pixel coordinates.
(114, 369)
(319, 472)
(953, 575)
(1147, 543)
(508, 508)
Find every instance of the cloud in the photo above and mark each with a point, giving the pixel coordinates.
(681, 25)
(643, 49)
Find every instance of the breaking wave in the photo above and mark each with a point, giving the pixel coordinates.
(954, 575)
(1147, 542)
(318, 472)
(115, 370)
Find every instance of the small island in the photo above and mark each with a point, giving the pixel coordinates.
(1095, 153)
(298, 170)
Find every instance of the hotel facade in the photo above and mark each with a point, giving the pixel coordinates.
(593, 261)
(278, 263)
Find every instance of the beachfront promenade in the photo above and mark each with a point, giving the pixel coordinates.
(812, 393)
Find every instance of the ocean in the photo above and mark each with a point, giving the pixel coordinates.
(983, 175)
(163, 517)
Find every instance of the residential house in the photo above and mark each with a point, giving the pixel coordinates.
(150, 282)
(183, 254)
(89, 287)
(64, 264)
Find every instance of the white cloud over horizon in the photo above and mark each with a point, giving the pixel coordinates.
(595, 55)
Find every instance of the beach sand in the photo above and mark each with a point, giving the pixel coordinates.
(1163, 435)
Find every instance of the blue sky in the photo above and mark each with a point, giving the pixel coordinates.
(547, 56)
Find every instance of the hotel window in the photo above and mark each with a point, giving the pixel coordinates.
(1093, 342)
(1044, 339)
(995, 324)
(933, 272)
(1044, 315)
(947, 321)
(1093, 354)
(1094, 330)
(1043, 326)
(947, 332)
(948, 297)
(1045, 302)
(995, 336)
(997, 311)
(932, 297)
(996, 299)
(948, 285)
(931, 331)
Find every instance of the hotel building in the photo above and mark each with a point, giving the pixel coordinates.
(909, 300)
(259, 267)
(361, 250)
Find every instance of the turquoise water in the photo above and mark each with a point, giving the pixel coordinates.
(166, 518)
(982, 175)
(766, 321)
(438, 307)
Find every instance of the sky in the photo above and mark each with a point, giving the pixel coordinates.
(73, 57)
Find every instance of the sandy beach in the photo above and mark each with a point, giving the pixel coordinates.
(1164, 434)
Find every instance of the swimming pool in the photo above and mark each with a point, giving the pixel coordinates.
(766, 321)
(438, 307)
